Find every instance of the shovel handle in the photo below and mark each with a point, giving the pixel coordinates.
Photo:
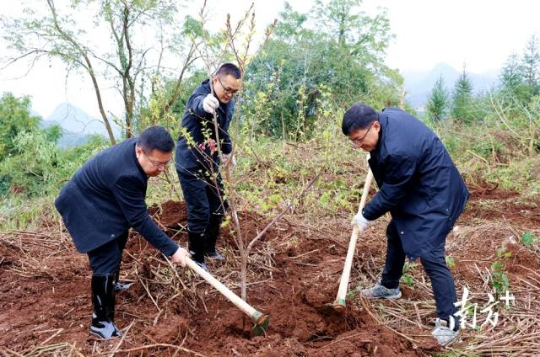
(367, 186)
(339, 304)
(232, 297)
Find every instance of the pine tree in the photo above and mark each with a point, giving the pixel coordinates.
(438, 101)
(462, 99)
(531, 66)
(512, 75)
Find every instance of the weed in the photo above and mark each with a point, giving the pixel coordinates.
(499, 278)
(19, 212)
(406, 277)
(528, 239)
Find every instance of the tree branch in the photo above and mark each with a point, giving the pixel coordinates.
(289, 207)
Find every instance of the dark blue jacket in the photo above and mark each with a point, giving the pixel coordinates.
(418, 183)
(106, 197)
(199, 125)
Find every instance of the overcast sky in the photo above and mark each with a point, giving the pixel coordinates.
(478, 33)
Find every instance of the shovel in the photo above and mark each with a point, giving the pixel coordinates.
(260, 320)
(339, 304)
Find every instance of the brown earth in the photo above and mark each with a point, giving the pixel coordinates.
(45, 287)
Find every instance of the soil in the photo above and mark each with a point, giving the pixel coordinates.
(45, 302)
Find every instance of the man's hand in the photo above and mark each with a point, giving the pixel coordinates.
(360, 221)
(229, 159)
(210, 104)
(180, 256)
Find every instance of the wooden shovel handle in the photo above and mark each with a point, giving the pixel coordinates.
(367, 186)
(344, 283)
(232, 297)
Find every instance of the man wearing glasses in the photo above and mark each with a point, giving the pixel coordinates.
(197, 159)
(102, 201)
(423, 191)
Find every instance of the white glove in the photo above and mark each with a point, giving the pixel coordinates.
(210, 104)
(229, 159)
(360, 221)
(179, 257)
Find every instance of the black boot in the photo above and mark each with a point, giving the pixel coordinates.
(211, 234)
(196, 248)
(103, 299)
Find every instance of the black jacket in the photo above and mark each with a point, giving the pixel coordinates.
(196, 122)
(418, 183)
(106, 197)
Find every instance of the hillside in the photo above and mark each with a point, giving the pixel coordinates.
(419, 84)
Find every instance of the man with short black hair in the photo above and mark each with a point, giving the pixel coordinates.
(197, 159)
(106, 197)
(423, 191)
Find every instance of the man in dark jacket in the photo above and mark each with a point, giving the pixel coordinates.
(197, 158)
(102, 201)
(423, 191)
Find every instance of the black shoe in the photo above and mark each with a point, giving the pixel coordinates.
(104, 329)
(121, 286)
(203, 266)
(215, 256)
(103, 300)
(196, 246)
(118, 286)
(210, 237)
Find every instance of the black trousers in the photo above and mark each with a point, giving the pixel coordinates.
(106, 259)
(204, 198)
(434, 263)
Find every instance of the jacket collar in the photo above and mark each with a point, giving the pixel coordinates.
(383, 121)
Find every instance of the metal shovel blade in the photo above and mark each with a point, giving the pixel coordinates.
(260, 326)
(336, 308)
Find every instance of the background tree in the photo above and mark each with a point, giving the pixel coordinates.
(15, 118)
(511, 77)
(30, 161)
(462, 99)
(438, 101)
(335, 48)
(531, 66)
(120, 56)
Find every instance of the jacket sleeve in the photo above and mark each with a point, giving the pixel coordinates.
(195, 104)
(399, 173)
(130, 194)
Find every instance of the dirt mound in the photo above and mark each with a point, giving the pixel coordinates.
(170, 213)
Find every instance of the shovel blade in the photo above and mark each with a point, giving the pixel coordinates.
(339, 308)
(336, 308)
(326, 309)
(261, 325)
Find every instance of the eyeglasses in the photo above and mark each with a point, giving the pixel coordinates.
(227, 90)
(157, 164)
(360, 141)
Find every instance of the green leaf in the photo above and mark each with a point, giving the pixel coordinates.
(528, 239)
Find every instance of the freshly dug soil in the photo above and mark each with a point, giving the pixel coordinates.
(45, 292)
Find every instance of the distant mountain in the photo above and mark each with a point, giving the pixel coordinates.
(76, 124)
(418, 84)
(75, 120)
(35, 113)
(68, 138)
